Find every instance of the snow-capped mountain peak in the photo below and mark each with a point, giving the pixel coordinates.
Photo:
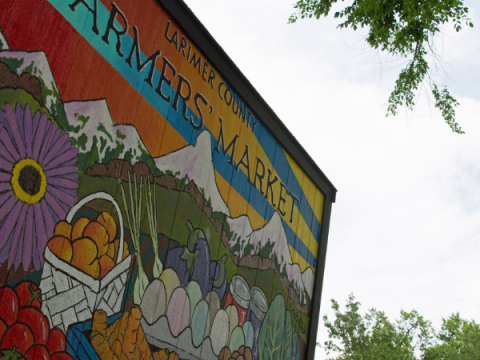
(196, 162)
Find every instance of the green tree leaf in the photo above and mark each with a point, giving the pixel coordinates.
(405, 29)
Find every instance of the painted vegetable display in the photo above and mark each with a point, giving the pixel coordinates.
(271, 333)
(176, 260)
(200, 323)
(287, 336)
(178, 311)
(124, 339)
(134, 218)
(197, 241)
(218, 274)
(151, 195)
(154, 301)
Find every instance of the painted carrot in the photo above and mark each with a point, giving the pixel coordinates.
(137, 354)
(117, 349)
(142, 345)
(99, 322)
(130, 340)
(101, 347)
(119, 332)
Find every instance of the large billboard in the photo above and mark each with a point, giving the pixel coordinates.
(152, 206)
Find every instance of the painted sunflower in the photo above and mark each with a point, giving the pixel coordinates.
(38, 184)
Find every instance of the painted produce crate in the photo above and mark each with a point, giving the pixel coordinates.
(77, 343)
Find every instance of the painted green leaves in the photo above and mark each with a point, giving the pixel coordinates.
(270, 341)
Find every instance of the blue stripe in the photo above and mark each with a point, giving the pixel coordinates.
(82, 21)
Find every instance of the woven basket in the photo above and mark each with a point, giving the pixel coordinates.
(70, 295)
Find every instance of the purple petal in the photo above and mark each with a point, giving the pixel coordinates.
(61, 196)
(47, 141)
(72, 176)
(3, 149)
(57, 134)
(20, 120)
(5, 176)
(28, 125)
(59, 209)
(5, 186)
(50, 219)
(62, 182)
(28, 239)
(15, 254)
(68, 155)
(35, 120)
(36, 258)
(61, 171)
(7, 144)
(70, 162)
(5, 249)
(39, 135)
(10, 223)
(9, 199)
(40, 234)
(55, 149)
(5, 165)
(15, 130)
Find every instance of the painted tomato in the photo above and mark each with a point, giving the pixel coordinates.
(28, 294)
(56, 341)
(10, 305)
(37, 352)
(18, 335)
(61, 355)
(3, 329)
(37, 322)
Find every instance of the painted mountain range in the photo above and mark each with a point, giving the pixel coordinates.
(95, 129)
(195, 161)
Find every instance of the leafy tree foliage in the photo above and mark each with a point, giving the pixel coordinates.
(403, 28)
(353, 336)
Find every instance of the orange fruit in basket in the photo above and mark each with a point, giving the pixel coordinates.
(108, 222)
(84, 254)
(125, 250)
(97, 232)
(62, 247)
(93, 269)
(78, 227)
(111, 251)
(106, 264)
(64, 229)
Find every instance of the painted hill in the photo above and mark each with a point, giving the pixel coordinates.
(195, 161)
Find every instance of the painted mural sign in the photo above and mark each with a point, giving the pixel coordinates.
(146, 211)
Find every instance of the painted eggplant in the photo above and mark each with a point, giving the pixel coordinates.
(181, 260)
(197, 242)
(218, 275)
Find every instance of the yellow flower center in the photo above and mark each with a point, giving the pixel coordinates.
(29, 181)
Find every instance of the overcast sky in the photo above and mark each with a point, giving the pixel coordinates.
(405, 228)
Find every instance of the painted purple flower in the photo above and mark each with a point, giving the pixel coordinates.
(38, 184)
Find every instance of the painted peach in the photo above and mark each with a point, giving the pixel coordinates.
(93, 269)
(63, 228)
(111, 251)
(78, 227)
(108, 222)
(125, 250)
(62, 247)
(97, 232)
(106, 264)
(84, 254)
